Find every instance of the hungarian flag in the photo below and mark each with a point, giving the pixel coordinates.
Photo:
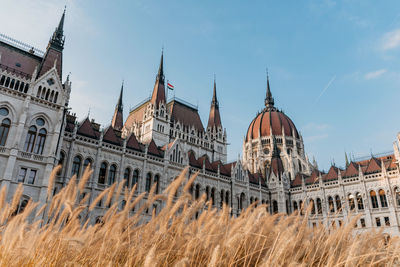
(170, 86)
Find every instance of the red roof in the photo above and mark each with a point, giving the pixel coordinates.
(277, 167)
(313, 178)
(111, 136)
(271, 121)
(374, 165)
(133, 143)
(352, 170)
(332, 174)
(153, 149)
(87, 129)
(185, 114)
(297, 180)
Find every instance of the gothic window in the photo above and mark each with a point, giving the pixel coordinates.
(2, 80)
(102, 173)
(221, 203)
(127, 175)
(207, 193)
(148, 182)
(331, 205)
(213, 196)
(241, 201)
(360, 204)
(26, 88)
(227, 197)
(41, 139)
(76, 165)
(61, 162)
(382, 198)
(21, 206)
(135, 177)
(111, 174)
(7, 81)
(157, 182)
(197, 191)
(301, 207)
(4, 129)
(87, 162)
(30, 139)
(352, 204)
(312, 206)
(39, 91)
(319, 206)
(275, 206)
(374, 200)
(338, 204)
(295, 207)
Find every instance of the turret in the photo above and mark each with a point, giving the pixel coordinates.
(117, 121)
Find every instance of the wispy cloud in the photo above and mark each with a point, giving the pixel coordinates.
(391, 40)
(374, 74)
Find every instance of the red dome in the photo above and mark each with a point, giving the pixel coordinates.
(271, 120)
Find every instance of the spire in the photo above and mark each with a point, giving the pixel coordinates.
(346, 159)
(58, 36)
(53, 55)
(159, 87)
(269, 100)
(214, 119)
(117, 121)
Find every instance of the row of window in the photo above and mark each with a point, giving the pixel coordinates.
(26, 176)
(14, 84)
(47, 94)
(35, 138)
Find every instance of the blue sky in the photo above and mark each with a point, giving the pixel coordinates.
(333, 65)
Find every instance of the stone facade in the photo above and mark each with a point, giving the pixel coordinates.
(160, 138)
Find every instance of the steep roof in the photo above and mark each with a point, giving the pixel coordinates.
(88, 129)
(313, 178)
(332, 174)
(297, 181)
(352, 170)
(153, 149)
(374, 165)
(214, 119)
(117, 121)
(133, 143)
(158, 95)
(111, 136)
(185, 114)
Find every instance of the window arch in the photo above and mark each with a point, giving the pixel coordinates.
(61, 162)
(40, 140)
(148, 182)
(127, 176)
(319, 206)
(197, 191)
(87, 162)
(301, 207)
(338, 204)
(374, 199)
(312, 206)
(227, 197)
(102, 173)
(112, 174)
(331, 205)
(295, 207)
(135, 177)
(157, 182)
(352, 204)
(30, 139)
(213, 196)
(4, 130)
(76, 165)
(360, 204)
(382, 198)
(275, 206)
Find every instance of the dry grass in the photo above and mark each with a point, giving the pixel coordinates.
(174, 237)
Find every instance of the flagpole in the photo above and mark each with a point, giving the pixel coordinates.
(167, 94)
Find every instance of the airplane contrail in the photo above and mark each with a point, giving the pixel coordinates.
(326, 88)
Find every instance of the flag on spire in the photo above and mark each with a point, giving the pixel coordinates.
(170, 86)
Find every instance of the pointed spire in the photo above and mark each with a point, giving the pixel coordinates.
(269, 100)
(159, 87)
(58, 36)
(117, 121)
(346, 159)
(214, 119)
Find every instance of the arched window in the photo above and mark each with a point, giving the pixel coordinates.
(213, 196)
(157, 181)
(352, 204)
(319, 206)
(331, 205)
(30, 139)
(338, 204)
(312, 206)
(61, 162)
(374, 200)
(21, 206)
(111, 174)
(41, 139)
(227, 197)
(295, 207)
(102, 173)
(127, 176)
(221, 203)
(4, 129)
(87, 162)
(76, 165)
(360, 203)
(301, 207)
(135, 177)
(275, 206)
(207, 193)
(148, 182)
(397, 194)
(251, 200)
(382, 198)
